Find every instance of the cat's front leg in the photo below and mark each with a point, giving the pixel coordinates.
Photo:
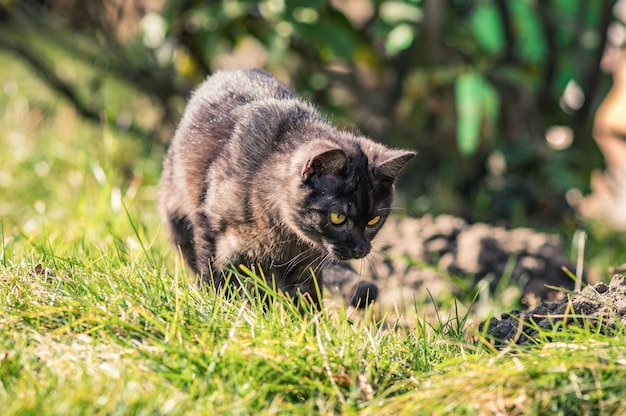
(356, 290)
(309, 292)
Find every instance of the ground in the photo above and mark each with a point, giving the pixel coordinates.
(419, 251)
(598, 307)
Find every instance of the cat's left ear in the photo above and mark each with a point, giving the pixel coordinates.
(331, 161)
(393, 160)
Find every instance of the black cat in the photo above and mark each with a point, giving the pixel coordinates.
(256, 176)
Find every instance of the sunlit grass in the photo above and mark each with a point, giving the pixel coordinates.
(98, 317)
(118, 326)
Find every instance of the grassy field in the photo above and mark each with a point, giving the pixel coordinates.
(96, 317)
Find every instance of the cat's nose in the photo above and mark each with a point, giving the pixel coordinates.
(359, 250)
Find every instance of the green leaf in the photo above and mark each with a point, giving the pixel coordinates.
(395, 12)
(531, 44)
(487, 28)
(333, 37)
(477, 104)
(399, 39)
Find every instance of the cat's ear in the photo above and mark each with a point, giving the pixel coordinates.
(392, 162)
(327, 162)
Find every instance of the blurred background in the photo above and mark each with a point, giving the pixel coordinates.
(514, 107)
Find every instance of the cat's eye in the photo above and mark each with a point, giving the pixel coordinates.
(374, 220)
(337, 218)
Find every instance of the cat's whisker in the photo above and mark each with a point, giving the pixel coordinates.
(319, 259)
(360, 273)
(385, 209)
(308, 254)
(362, 265)
(381, 252)
(326, 260)
(396, 209)
(381, 247)
(306, 271)
(294, 261)
(297, 263)
(374, 265)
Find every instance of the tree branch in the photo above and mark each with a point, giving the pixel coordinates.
(589, 81)
(549, 70)
(505, 15)
(47, 73)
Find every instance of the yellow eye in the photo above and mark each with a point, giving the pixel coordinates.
(337, 218)
(374, 220)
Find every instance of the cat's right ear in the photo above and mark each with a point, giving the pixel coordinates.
(328, 162)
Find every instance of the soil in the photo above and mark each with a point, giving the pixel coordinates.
(598, 307)
(417, 253)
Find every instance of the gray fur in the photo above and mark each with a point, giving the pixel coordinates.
(251, 177)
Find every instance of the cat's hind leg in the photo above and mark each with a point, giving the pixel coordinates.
(180, 230)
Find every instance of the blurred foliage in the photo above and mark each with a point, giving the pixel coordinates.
(472, 85)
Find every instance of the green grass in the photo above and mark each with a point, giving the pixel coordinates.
(96, 316)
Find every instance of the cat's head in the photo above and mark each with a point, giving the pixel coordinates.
(345, 191)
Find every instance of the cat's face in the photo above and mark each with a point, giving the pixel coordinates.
(343, 215)
(347, 198)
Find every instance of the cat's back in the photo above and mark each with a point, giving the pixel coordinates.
(219, 103)
(226, 90)
(209, 120)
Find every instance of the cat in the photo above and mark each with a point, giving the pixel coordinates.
(256, 176)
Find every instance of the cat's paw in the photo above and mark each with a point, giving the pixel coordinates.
(360, 293)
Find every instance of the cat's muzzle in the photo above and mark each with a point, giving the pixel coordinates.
(356, 251)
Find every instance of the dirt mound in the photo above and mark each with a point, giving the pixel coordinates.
(530, 259)
(599, 307)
